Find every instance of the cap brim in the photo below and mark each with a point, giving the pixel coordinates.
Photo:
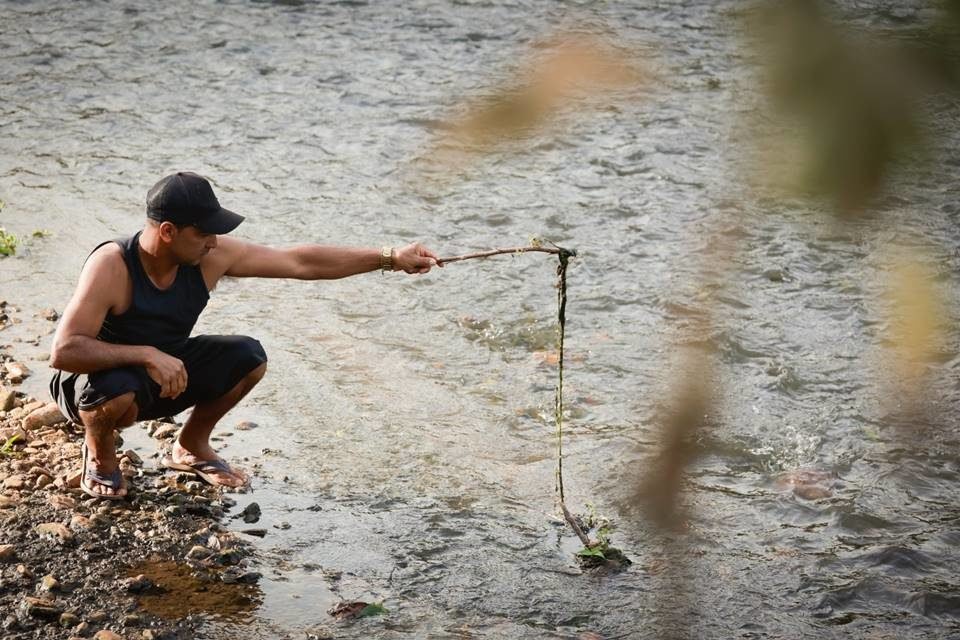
(223, 221)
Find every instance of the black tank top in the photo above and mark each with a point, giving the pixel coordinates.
(162, 318)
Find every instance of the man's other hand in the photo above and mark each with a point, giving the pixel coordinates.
(168, 372)
(415, 258)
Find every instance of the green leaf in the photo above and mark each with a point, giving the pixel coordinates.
(591, 552)
(8, 445)
(372, 609)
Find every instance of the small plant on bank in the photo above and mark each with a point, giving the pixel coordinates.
(8, 243)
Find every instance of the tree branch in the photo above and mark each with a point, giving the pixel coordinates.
(494, 252)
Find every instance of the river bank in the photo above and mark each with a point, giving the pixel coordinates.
(72, 565)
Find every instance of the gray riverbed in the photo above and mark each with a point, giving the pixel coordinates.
(405, 426)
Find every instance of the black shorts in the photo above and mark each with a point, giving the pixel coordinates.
(215, 364)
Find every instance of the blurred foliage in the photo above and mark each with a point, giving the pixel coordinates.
(856, 97)
(679, 423)
(567, 72)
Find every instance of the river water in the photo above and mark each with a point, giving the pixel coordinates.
(405, 426)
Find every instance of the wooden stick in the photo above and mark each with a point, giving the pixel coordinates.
(495, 252)
(576, 528)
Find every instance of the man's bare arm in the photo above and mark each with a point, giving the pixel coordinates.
(240, 259)
(75, 345)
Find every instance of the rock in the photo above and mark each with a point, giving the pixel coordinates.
(166, 431)
(55, 529)
(6, 502)
(68, 619)
(8, 398)
(132, 456)
(31, 406)
(97, 616)
(39, 471)
(246, 425)
(131, 620)
(60, 501)
(40, 608)
(15, 482)
(234, 575)
(16, 372)
(260, 533)
(106, 634)
(251, 513)
(70, 480)
(50, 314)
(49, 583)
(137, 584)
(82, 629)
(199, 553)
(214, 543)
(42, 481)
(148, 635)
(7, 552)
(24, 572)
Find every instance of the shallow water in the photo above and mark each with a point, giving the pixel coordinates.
(405, 432)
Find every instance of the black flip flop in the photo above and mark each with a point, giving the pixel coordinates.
(113, 481)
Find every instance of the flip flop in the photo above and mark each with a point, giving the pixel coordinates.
(113, 481)
(202, 469)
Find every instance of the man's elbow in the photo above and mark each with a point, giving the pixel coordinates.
(60, 353)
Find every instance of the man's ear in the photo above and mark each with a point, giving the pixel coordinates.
(168, 231)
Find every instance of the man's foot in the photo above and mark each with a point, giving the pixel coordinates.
(97, 481)
(205, 464)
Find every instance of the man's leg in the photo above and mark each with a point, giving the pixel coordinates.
(193, 445)
(100, 422)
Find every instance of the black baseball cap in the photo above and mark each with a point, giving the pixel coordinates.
(187, 198)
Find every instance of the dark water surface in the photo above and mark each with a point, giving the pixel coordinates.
(405, 425)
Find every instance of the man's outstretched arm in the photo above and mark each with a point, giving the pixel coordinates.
(75, 345)
(240, 259)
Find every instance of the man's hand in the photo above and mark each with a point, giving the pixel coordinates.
(168, 372)
(415, 258)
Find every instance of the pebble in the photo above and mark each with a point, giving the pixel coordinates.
(166, 431)
(24, 572)
(15, 482)
(50, 314)
(55, 529)
(7, 552)
(97, 616)
(82, 629)
(8, 398)
(41, 608)
(251, 513)
(42, 482)
(68, 619)
(198, 552)
(137, 584)
(16, 372)
(106, 634)
(131, 620)
(60, 501)
(132, 456)
(49, 583)
(246, 425)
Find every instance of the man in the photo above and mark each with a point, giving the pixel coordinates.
(123, 349)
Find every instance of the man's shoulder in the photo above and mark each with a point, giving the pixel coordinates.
(106, 260)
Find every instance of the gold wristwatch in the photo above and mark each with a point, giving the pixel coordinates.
(386, 258)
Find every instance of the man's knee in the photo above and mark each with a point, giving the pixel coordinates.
(256, 375)
(116, 412)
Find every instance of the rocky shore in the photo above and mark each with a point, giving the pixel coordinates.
(74, 566)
